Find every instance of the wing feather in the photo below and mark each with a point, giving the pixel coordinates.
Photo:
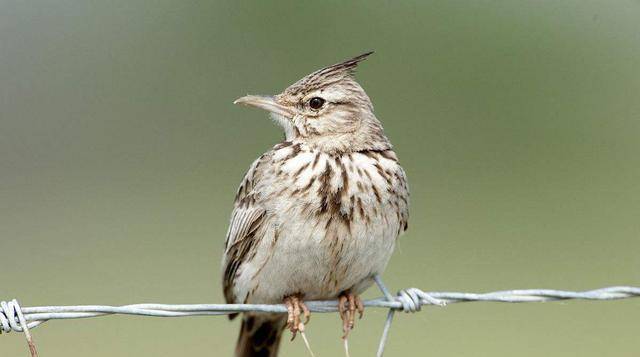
(244, 232)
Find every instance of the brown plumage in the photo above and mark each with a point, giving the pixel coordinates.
(317, 216)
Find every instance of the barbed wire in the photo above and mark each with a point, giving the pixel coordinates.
(21, 319)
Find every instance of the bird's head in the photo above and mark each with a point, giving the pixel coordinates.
(327, 110)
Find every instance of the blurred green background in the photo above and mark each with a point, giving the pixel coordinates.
(517, 122)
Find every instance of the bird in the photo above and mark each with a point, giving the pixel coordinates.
(317, 216)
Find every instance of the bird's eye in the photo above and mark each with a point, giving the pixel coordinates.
(316, 103)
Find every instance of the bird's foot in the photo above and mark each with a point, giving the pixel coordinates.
(295, 309)
(348, 304)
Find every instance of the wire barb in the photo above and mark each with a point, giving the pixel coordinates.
(12, 318)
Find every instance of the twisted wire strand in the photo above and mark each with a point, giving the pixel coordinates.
(11, 317)
(407, 300)
(15, 318)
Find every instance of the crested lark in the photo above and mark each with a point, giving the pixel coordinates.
(318, 215)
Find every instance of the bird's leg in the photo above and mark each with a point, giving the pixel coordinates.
(352, 311)
(348, 304)
(359, 307)
(296, 308)
(343, 311)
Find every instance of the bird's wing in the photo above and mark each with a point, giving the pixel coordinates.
(247, 219)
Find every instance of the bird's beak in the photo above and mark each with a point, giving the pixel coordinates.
(267, 103)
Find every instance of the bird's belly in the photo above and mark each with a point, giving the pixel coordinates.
(317, 258)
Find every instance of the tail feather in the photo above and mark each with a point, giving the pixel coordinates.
(260, 335)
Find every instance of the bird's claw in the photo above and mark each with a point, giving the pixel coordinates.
(296, 308)
(348, 304)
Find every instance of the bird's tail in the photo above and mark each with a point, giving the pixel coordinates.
(260, 335)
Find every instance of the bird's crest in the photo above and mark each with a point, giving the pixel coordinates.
(327, 75)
